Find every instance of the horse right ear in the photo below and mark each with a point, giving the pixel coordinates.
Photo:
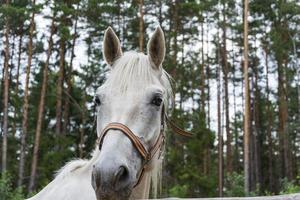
(111, 46)
(156, 48)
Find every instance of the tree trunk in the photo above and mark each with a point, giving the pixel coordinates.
(227, 122)
(2, 95)
(202, 75)
(202, 101)
(257, 132)
(160, 16)
(269, 125)
(59, 86)
(141, 25)
(225, 72)
(252, 138)
(69, 81)
(6, 93)
(220, 135)
(220, 143)
(287, 145)
(41, 109)
(83, 121)
(26, 98)
(17, 83)
(20, 175)
(11, 64)
(175, 25)
(247, 101)
(252, 144)
(208, 77)
(283, 119)
(236, 134)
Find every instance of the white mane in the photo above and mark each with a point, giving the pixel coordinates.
(133, 72)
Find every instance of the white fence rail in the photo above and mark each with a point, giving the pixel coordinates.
(295, 196)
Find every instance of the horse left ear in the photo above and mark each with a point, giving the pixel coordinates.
(156, 48)
(111, 46)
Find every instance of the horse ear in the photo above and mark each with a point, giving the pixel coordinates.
(111, 46)
(156, 48)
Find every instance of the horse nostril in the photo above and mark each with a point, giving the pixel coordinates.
(121, 177)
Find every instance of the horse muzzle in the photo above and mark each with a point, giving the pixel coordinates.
(112, 181)
(113, 177)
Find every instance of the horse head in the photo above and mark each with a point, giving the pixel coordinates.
(130, 118)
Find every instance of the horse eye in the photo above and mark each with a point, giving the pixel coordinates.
(157, 101)
(97, 101)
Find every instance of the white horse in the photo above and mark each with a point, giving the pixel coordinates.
(135, 96)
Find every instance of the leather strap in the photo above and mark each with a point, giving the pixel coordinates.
(147, 155)
(176, 129)
(125, 130)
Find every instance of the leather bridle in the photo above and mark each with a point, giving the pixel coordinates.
(146, 154)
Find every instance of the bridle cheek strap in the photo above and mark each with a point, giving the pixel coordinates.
(136, 141)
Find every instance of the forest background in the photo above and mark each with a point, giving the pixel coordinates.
(51, 64)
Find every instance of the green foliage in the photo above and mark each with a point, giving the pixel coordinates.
(178, 191)
(236, 185)
(289, 187)
(6, 189)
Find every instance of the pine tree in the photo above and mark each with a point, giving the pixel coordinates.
(269, 126)
(226, 95)
(6, 91)
(26, 92)
(18, 75)
(220, 135)
(41, 110)
(141, 25)
(61, 74)
(69, 76)
(247, 101)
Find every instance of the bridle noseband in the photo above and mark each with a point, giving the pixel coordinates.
(147, 155)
